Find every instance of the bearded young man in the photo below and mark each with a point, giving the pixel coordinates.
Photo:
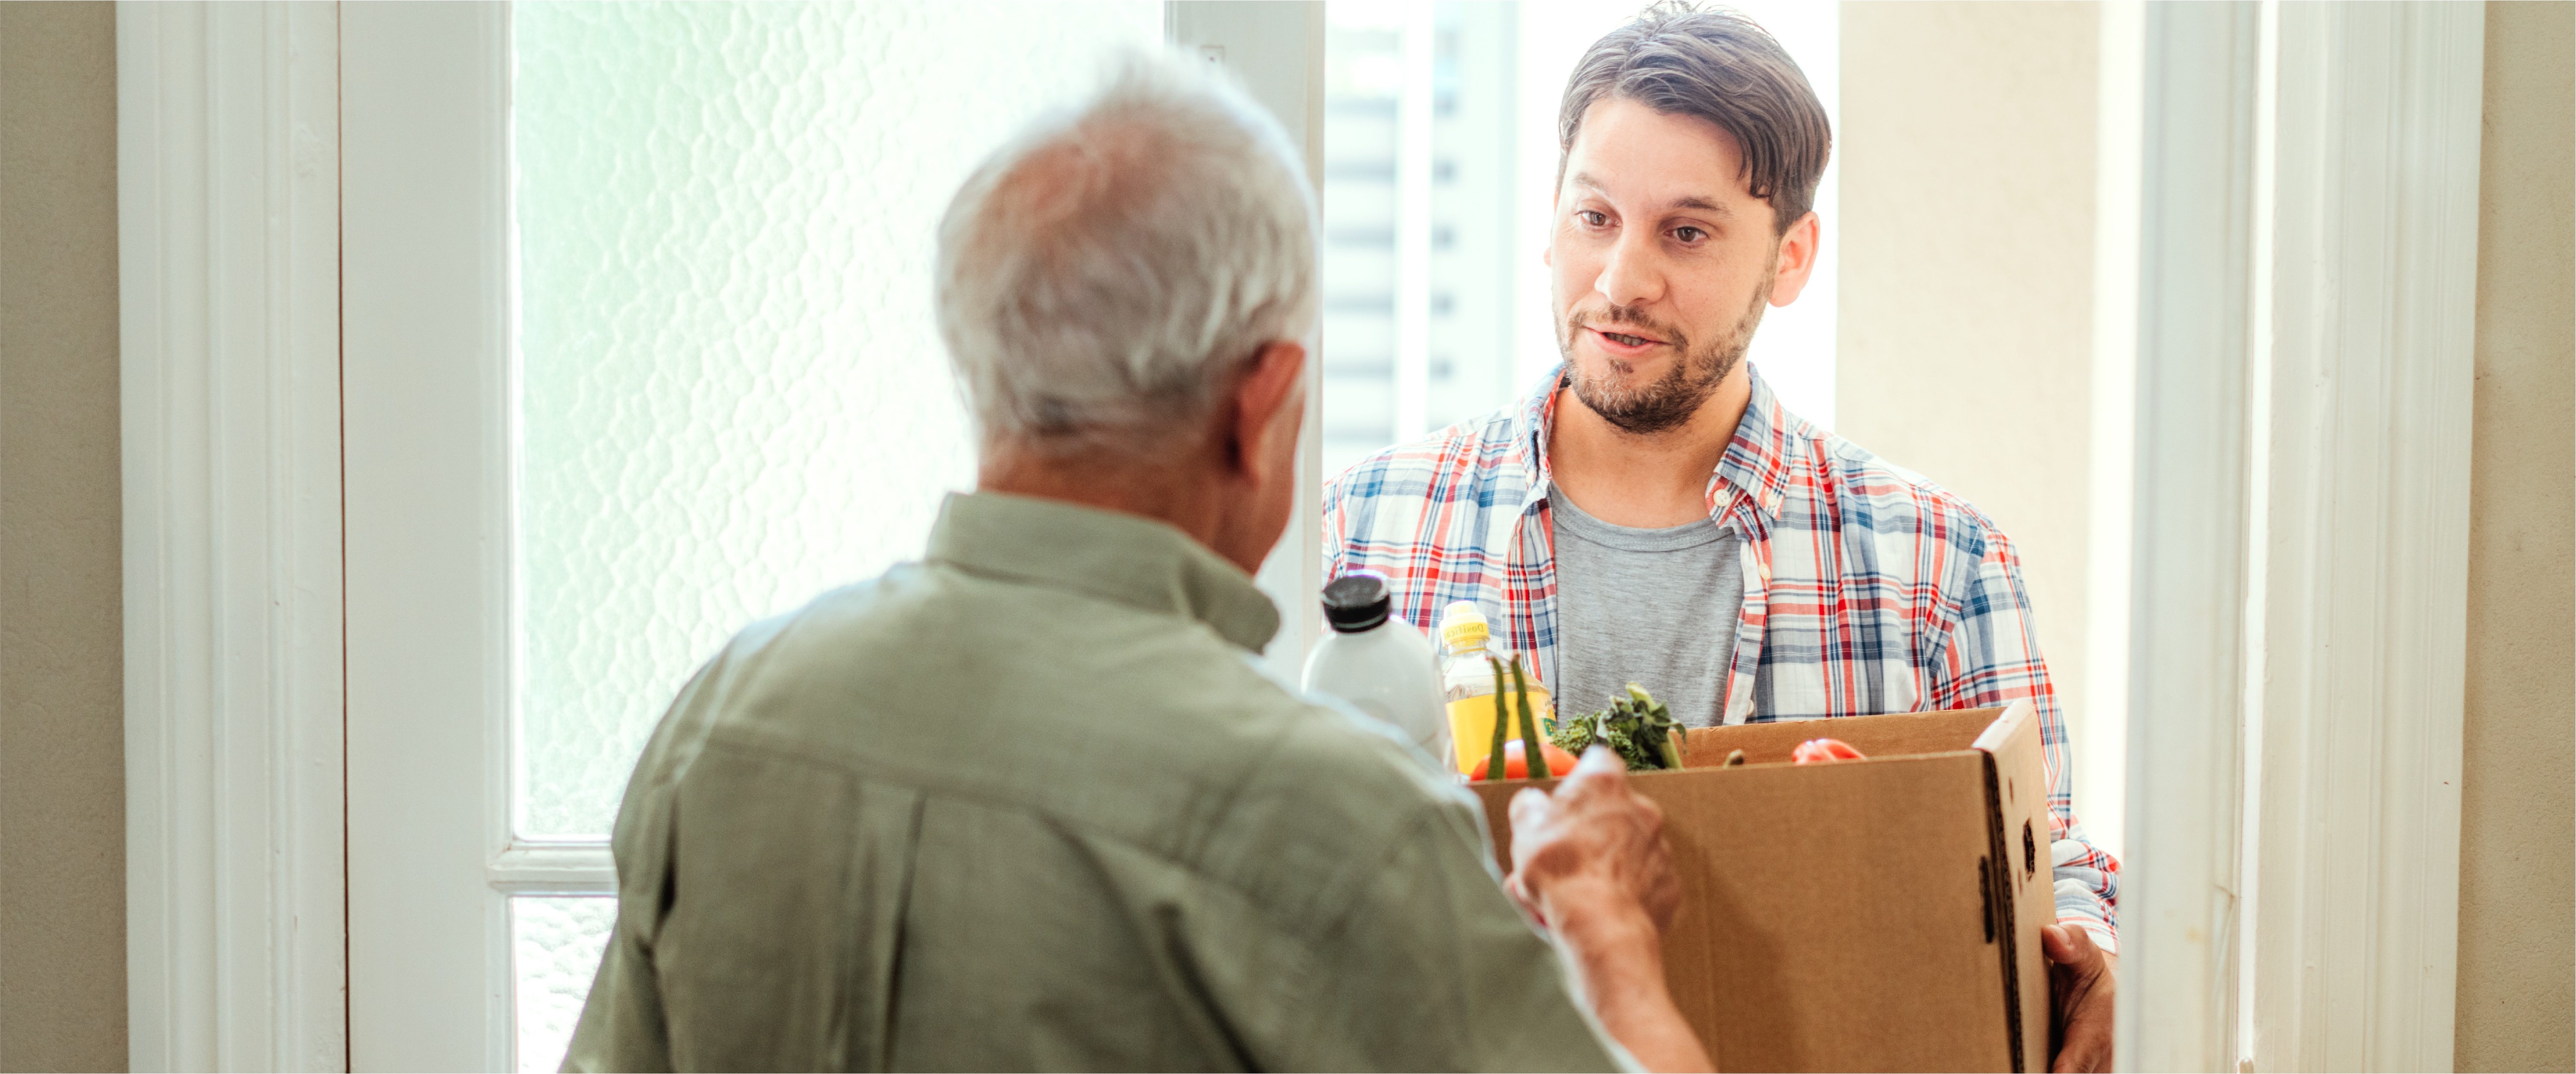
(1653, 514)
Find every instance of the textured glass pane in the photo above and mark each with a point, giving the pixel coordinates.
(555, 944)
(732, 393)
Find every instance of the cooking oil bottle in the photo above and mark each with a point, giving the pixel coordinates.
(1467, 683)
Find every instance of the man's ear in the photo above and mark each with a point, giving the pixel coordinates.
(1797, 264)
(1269, 404)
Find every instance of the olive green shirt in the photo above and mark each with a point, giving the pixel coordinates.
(1029, 804)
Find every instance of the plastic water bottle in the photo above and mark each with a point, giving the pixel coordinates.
(1380, 664)
(1468, 686)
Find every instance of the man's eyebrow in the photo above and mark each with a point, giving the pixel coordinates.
(1694, 202)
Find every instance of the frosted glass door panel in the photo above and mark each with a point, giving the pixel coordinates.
(731, 394)
(555, 946)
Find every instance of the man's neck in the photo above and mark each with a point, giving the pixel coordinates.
(1172, 493)
(1164, 494)
(1647, 481)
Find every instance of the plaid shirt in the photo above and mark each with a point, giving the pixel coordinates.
(1867, 589)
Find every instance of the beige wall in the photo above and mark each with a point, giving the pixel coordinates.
(62, 725)
(1966, 288)
(2517, 998)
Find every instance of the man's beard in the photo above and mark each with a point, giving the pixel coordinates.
(1678, 394)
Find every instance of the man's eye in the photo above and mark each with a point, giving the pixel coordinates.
(1689, 234)
(1592, 217)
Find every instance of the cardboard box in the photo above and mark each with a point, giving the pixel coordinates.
(1881, 914)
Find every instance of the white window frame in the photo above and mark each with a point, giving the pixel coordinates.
(273, 167)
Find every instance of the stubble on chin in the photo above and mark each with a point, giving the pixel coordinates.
(1672, 399)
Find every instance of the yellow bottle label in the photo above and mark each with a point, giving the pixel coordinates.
(1471, 724)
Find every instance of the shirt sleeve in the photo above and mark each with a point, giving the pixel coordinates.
(1431, 967)
(1335, 525)
(622, 1024)
(1991, 659)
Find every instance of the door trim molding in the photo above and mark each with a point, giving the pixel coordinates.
(2179, 888)
(228, 245)
(2364, 572)
(2306, 312)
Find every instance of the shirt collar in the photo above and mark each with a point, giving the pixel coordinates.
(1751, 478)
(1756, 464)
(1112, 555)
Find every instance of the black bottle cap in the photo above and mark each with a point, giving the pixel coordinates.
(1356, 601)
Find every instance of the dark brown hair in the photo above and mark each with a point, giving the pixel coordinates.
(1718, 66)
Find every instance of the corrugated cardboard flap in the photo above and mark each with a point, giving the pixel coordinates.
(2024, 884)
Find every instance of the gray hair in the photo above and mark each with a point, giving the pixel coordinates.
(1104, 276)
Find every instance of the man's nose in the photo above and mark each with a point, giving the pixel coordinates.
(1631, 276)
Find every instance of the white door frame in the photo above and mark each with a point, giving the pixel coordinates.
(2306, 296)
(2178, 884)
(2364, 408)
(228, 248)
(425, 304)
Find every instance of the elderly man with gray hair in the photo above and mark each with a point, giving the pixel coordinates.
(1028, 803)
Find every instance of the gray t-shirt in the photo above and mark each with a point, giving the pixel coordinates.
(1655, 607)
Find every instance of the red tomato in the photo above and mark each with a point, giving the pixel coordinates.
(1824, 751)
(1516, 765)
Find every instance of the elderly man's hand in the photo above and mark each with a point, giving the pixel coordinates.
(2079, 981)
(1594, 842)
(1589, 863)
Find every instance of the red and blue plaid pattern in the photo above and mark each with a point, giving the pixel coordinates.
(1867, 589)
